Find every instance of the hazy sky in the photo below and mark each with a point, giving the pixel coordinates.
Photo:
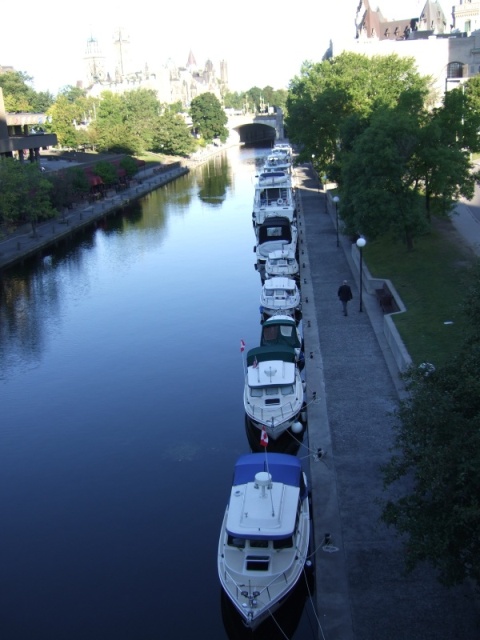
(263, 43)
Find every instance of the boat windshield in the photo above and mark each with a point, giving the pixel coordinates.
(284, 390)
(241, 543)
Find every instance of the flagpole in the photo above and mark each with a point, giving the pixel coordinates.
(242, 352)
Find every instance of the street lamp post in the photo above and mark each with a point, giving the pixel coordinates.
(336, 200)
(361, 242)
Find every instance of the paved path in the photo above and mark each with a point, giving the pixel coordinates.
(362, 593)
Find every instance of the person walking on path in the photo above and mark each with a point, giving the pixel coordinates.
(345, 295)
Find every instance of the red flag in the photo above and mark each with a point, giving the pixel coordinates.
(264, 438)
(242, 346)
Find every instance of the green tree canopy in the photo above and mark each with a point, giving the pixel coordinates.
(17, 94)
(24, 193)
(380, 188)
(208, 117)
(172, 136)
(327, 93)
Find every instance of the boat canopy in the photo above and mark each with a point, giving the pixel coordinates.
(267, 353)
(275, 228)
(277, 331)
(283, 468)
(251, 515)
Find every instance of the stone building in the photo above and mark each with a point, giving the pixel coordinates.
(172, 83)
(443, 51)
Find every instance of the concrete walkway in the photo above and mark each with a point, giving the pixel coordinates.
(353, 384)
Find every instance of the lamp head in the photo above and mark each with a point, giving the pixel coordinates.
(361, 242)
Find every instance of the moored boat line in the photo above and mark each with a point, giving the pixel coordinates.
(260, 556)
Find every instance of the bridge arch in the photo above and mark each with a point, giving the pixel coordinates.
(251, 128)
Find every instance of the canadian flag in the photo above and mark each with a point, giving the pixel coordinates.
(264, 438)
(242, 346)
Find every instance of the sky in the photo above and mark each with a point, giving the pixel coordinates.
(263, 43)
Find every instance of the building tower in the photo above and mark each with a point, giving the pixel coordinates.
(224, 72)
(94, 63)
(121, 45)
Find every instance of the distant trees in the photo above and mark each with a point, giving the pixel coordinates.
(256, 97)
(208, 117)
(437, 460)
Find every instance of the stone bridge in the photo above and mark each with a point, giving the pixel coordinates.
(251, 128)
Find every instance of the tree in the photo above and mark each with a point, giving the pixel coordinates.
(437, 461)
(36, 206)
(111, 128)
(208, 117)
(42, 101)
(327, 93)
(379, 179)
(234, 100)
(24, 193)
(107, 172)
(172, 136)
(131, 167)
(71, 93)
(63, 114)
(18, 95)
(142, 113)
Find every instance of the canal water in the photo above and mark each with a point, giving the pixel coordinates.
(121, 382)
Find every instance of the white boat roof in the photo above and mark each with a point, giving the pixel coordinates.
(273, 179)
(262, 512)
(287, 254)
(271, 373)
(280, 282)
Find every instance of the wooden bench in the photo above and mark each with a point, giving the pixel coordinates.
(386, 299)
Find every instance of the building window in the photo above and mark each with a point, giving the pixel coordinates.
(455, 70)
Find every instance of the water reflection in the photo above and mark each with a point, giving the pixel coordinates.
(32, 295)
(213, 180)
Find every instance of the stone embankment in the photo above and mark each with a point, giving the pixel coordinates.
(24, 242)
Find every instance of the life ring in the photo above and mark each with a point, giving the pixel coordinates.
(280, 201)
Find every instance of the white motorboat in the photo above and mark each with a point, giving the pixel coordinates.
(274, 390)
(280, 295)
(285, 147)
(276, 233)
(277, 162)
(265, 535)
(274, 196)
(282, 263)
(282, 329)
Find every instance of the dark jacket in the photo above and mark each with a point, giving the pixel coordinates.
(344, 293)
